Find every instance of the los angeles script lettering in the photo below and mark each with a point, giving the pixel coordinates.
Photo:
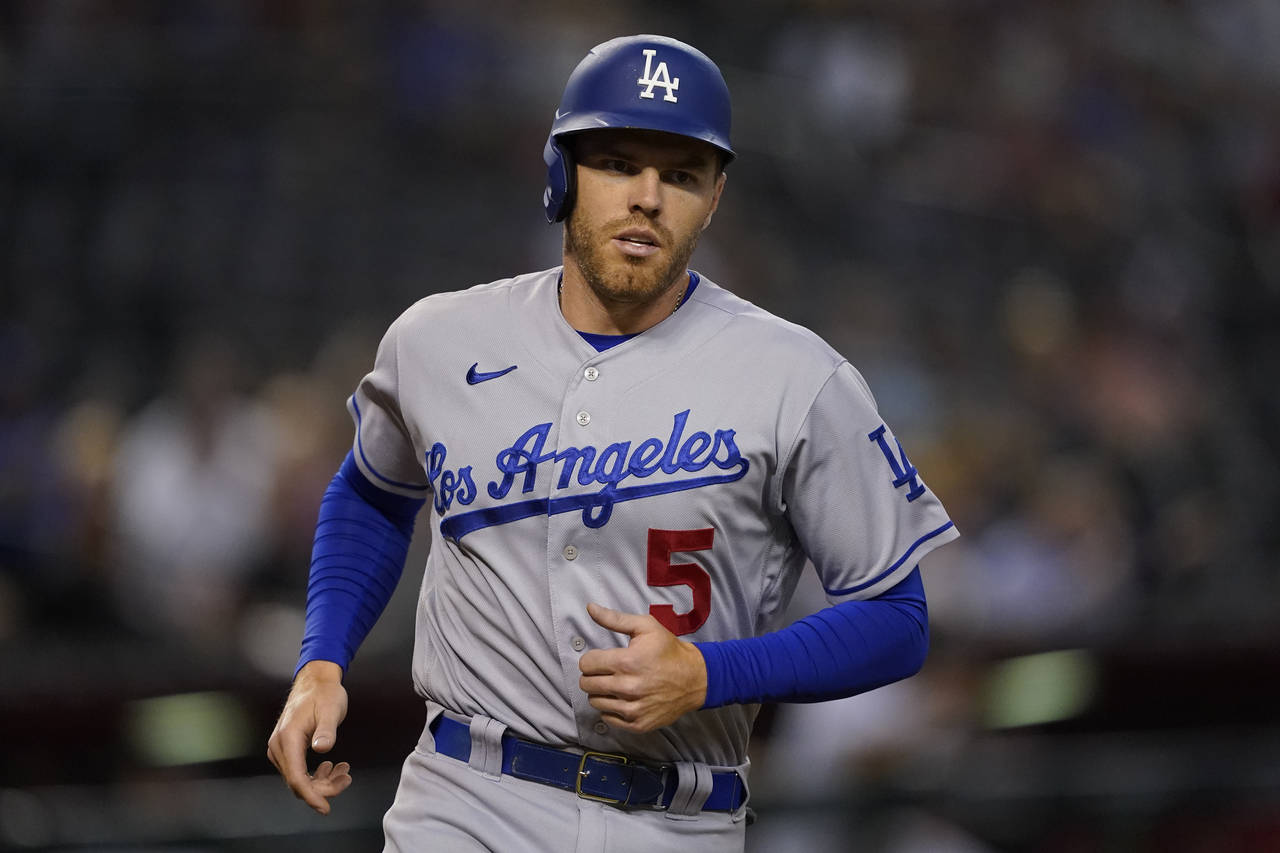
(616, 463)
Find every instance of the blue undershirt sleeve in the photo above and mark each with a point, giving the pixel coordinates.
(362, 539)
(845, 649)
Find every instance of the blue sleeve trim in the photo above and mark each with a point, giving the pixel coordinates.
(360, 446)
(398, 509)
(846, 649)
(361, 541)
(897, 563)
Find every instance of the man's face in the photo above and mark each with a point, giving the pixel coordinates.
(643, 199)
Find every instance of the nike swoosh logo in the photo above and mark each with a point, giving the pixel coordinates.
(475, 377)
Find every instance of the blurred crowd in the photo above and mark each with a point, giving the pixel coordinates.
(1047, 232)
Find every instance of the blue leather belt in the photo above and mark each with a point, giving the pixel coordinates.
(609, 778)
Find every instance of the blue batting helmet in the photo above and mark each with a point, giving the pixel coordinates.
(642, 82)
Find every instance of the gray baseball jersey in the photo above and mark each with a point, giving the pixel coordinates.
(687, 472)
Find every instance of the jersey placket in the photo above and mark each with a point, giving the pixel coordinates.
(572, 547)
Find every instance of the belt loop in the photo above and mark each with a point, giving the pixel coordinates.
(693, 786)
(427, 740)
(486, 746)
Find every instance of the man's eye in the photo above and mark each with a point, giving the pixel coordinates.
(680, 178)
(617, 165)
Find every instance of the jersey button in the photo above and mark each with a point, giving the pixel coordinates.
(578, 644)
(570, 552)
(601, 727)
(591, 374)
(583, 418)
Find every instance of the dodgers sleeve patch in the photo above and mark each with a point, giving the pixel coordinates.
(861, 510)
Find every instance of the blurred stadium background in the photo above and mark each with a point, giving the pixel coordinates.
(1047, 232)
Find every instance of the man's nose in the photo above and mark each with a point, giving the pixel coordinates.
(646, 191)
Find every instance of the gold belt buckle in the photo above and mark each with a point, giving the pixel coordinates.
(582, 773)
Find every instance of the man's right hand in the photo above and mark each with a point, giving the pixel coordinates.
(317, 704)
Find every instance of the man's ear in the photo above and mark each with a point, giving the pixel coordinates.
(715, 200)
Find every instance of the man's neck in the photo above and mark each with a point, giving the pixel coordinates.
(586, 311)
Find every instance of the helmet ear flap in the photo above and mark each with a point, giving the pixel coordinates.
(557, 198)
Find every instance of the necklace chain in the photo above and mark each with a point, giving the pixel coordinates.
(679, 298)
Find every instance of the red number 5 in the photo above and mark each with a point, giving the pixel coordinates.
(663, 572)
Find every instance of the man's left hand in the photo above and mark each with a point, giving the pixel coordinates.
(652, 682)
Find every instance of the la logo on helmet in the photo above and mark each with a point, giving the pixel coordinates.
(660, 77)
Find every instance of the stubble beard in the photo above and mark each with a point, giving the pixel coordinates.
(634, 280)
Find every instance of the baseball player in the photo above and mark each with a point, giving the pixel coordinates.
(626, 468)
